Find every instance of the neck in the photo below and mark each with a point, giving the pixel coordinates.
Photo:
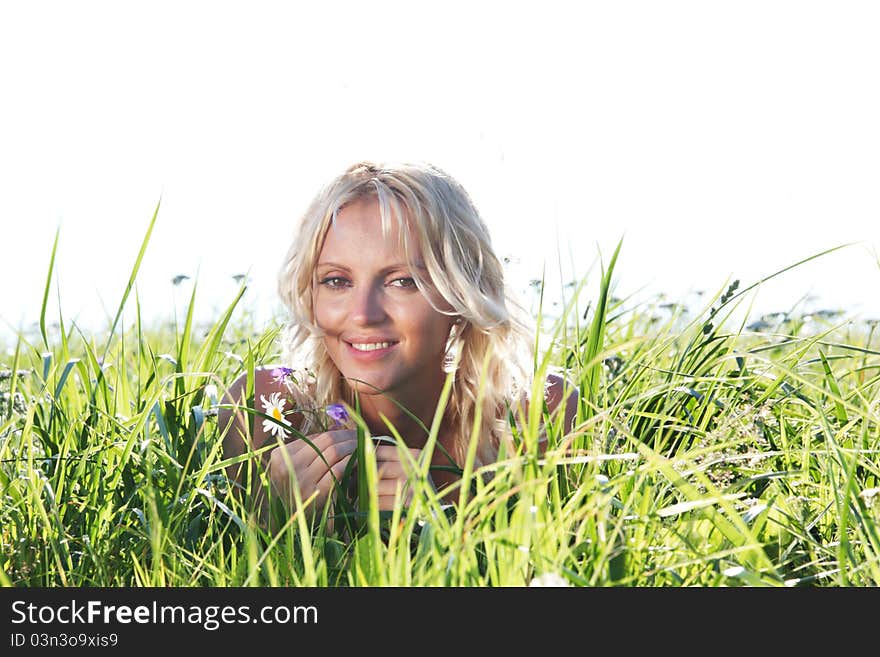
(375, 407)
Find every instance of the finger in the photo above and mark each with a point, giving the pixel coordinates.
(326, 438)
(390, 453)
(309, 472)
(389, 487)
(330, 457)
(332, 476)
(324, 444)
(388, 502)
(308, 466)
(390, 470)
(321, 484)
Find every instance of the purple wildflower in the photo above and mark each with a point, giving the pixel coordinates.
(337, 413)
(282, 374)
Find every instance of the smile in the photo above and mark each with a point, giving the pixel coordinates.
(372, 346)
(370, 350)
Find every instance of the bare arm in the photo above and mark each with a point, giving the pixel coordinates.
(313, 467)
(562, 396)
(239, 429)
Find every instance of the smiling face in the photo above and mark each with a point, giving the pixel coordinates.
(378, 326)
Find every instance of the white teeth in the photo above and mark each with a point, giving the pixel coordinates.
(371, 346)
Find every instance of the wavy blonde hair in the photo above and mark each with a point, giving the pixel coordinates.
(443, 224)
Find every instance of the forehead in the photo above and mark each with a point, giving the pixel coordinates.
(356, 231)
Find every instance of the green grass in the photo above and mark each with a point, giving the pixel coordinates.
(706, 454)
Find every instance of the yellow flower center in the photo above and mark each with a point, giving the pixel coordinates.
(276, 413)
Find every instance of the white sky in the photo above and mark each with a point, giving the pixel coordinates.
(722, 139)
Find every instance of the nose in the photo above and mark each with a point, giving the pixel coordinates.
(368, 306)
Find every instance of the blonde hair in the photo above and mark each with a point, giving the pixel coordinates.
(443, 224)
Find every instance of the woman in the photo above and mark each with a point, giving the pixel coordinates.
(391, 283)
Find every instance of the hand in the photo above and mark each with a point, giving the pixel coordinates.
(393, 473)
(298, 462)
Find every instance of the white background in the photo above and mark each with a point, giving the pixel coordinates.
(721, 140)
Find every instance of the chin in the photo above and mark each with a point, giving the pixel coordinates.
(366, 386)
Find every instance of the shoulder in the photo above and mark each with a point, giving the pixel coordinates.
(557, 389)
(561, 395)
(293, 387)
(266, 382)
(243, 396)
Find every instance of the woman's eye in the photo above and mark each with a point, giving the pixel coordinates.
(334, 282)
(405, 282)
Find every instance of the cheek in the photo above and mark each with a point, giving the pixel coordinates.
(434, 331)
(325, 314)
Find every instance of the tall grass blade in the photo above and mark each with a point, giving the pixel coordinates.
(46, 289)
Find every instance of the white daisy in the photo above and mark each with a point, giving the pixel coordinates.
(274, 407)
(549, 580)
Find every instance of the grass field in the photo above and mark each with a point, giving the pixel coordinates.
(706, 453)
